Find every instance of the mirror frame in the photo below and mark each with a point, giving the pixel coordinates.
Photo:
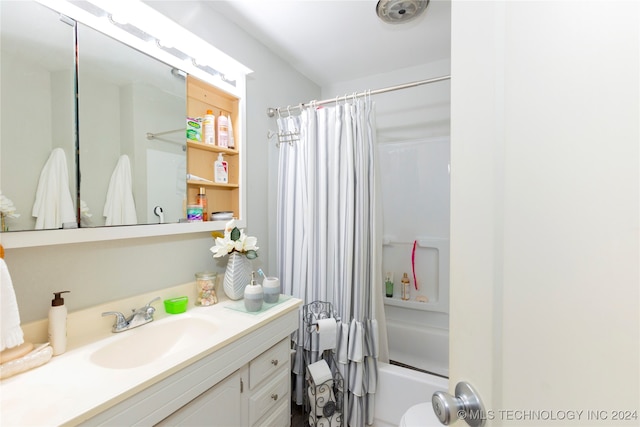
(26, 239)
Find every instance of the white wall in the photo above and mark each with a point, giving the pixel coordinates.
(100, 272)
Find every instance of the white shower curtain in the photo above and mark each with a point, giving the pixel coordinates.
(329, 242)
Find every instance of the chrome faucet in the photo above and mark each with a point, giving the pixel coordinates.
(137, 318)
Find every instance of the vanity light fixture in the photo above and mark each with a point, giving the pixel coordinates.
(143, 28)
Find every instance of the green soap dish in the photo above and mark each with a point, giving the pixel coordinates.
(176, 305)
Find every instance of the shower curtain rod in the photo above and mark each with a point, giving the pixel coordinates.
(271, 112)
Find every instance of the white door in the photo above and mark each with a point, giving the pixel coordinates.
(545, 195)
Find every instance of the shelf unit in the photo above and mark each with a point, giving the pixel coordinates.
(201, 97)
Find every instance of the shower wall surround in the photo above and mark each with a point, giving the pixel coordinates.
(413, 138)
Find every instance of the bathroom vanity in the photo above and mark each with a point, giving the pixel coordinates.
(211, 365)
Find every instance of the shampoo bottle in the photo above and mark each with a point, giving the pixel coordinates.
(221, 171)
(58, 324)
(223, 131)
(209, 128)
(388, 284)
(405, 287)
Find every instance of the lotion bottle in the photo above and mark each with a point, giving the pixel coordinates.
(58, 324)
(209, 128)
(223, 131)
(221, 171)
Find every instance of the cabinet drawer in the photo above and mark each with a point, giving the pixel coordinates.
(269, 396)
(269, 362)
(280, 417)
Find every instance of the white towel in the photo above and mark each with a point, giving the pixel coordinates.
(119, 207)
(11, 332)
(53, 207)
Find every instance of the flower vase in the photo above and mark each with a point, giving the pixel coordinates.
(237, 275)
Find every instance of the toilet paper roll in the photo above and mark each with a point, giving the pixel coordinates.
(318, 400)
(327, 334)
(324, 422)
(320, 373)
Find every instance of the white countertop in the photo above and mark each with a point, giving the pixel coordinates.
(70, 388)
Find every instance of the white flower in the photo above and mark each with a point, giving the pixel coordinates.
(234, 240)
(84, 210)
(7, 209)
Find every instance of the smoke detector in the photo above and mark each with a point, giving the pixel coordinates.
(400, 11)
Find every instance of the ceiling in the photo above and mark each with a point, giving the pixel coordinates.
(332, 41)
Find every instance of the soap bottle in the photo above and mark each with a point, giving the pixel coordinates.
(201, 199)
(209, 128)
(253, 295)
(221, 171)
(388, 284)
(58, 324)
(223, 131)
(405, 287)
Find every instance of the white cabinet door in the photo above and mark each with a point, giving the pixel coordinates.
(545, 210)
(218, 406)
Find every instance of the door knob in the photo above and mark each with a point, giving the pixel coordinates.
(464, 405)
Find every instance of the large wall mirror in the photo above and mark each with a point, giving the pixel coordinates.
(131, 119)
(123, 97)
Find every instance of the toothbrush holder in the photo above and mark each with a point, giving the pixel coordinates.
(271, 289)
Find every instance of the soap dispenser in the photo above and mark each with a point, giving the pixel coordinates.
(253, 295)
(220, 170)
(58, 324)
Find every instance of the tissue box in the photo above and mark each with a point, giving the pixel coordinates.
(176, 305)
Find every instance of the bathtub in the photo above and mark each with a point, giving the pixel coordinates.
(401, 388)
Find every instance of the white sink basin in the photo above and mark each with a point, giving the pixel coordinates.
(153, 341)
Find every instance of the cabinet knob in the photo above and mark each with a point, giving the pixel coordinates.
(274, 396)
(274, 362)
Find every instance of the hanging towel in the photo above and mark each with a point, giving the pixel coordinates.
(12, 334)
(119, 207)
(53, 207)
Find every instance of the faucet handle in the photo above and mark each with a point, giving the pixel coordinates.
(121, 322)
(149, 310)
(152, 301)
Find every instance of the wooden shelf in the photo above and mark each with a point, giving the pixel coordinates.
(212, 184)
(201, 157)
(212, 148)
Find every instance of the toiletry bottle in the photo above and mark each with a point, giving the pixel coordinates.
(253, 295)
(201, 199)
(388, 284)
(232, 140)
(221, 171)
(58, 324)
(223, 131)
(209, 128)
(405, 287)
